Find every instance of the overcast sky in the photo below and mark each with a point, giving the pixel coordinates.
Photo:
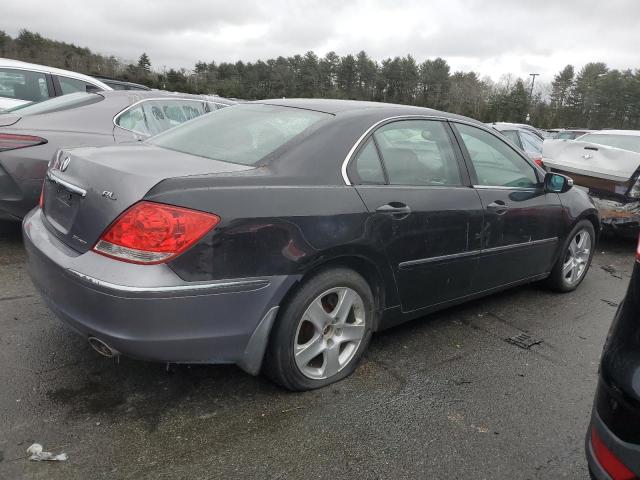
(491, 37)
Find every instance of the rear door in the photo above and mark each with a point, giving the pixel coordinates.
(522, 223)
(410, 175)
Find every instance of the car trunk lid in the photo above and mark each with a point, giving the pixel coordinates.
(88, 188)
(591, 160)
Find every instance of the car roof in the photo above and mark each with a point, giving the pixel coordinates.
(20, 65)
(373, 109)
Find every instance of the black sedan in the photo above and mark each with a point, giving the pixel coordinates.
(279, 235)
(613, 439)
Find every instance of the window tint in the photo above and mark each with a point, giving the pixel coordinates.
(151, 117)
(531, 143)
(367, 166)
(57, 104)
(242, 134)
(496, 164)
(417, 152)
(71, 85)
(23, 85)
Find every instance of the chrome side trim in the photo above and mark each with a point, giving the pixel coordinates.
(497, 187)
(347, 159)
(69, 186)
(218, 285)
(455, 256)
(518, 245)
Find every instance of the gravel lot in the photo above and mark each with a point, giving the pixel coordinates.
(442, 397)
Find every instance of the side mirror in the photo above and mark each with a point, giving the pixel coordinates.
(556, 183)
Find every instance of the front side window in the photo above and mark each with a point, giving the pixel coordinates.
(418, 152)
(496, 163)
(151, 117)
(23, 85)
(243, 134)
(72, 85)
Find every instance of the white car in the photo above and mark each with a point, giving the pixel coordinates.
(607, 164)
(22, 82)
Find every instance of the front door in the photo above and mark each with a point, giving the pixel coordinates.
(410, 175)
(522, 223)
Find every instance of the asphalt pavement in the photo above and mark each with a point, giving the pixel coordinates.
(441, 397)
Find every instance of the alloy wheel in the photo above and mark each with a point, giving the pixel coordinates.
(576, 260)
(329, 333)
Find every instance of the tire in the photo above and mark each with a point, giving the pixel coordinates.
(315, 320)
(566, 277)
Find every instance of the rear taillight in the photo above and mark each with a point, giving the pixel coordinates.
(151, 232)
(608, 461)
(638, 251)
(538, 161)
(9, 141)
(41, 202)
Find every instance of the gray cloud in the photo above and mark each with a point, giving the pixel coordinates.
(491, 38)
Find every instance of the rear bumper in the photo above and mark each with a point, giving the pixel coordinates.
(147, 311)
(627, 453)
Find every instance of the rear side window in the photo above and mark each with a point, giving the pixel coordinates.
(418, 152)
(151, 117)
(72, 85)
(531, 143)
(243, 134)
(513, 136)
(496, 163)
(23, 85)
(367, 166)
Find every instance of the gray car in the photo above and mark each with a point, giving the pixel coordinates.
(31, 134)
(524, 138)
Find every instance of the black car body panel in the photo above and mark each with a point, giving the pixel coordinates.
(616, 410)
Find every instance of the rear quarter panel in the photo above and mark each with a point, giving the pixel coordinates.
(278, 230)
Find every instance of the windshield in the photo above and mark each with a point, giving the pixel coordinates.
(56, 104)
(243, 134)
(626, 142)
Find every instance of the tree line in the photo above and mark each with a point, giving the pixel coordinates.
(594, 96)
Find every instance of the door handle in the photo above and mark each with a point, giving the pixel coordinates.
(498, 206)
(394, 208)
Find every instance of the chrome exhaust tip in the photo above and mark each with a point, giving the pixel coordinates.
(102, 348)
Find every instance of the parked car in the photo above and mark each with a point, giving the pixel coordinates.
(284, 233)
(570, 134)
(507, 125)
(613, 438)
(607, 164)
(31, 134)
(524, 139)
(121, 84)
(22, 82)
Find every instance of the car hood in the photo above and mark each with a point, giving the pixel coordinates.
(590, 159)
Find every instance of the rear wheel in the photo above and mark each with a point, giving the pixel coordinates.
(575, 259)
(322, 331)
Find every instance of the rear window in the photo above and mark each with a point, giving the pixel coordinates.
(57, 104)
(243, 134)
(626, 142)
